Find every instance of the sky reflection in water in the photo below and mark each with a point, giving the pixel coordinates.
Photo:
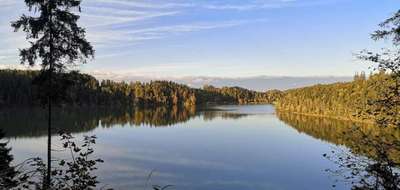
(246, 147)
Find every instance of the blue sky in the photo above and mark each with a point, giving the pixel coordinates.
(219, 38)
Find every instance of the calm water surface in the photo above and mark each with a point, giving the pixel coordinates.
(233, 147)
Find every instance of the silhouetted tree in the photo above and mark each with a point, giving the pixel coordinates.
(7, 172)
(55, 42)
(75, 173)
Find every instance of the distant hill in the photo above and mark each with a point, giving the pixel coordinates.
(258, 83)
(262, 83)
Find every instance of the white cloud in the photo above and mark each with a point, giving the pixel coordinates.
(246, 6)
(18, 66)
(132, 36)
(165, 4)
(175, 4)
(112, 24)
(147, 72)
(96, 20)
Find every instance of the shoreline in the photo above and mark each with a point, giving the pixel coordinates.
(329, 117)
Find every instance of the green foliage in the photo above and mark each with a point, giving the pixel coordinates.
(381, 170)
(352, 100)
(54, 35)
(237, 95)
(24, 88)
(16, 88)
(56, 41)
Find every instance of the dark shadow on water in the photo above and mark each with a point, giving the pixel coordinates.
(31, 122)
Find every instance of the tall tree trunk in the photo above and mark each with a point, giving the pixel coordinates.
(48, 177)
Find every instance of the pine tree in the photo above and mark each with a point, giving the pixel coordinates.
(56, 41)
(8, 173)
(387, 61)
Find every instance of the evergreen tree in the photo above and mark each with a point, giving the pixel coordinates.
(8, 173)
(56, 42)
(387, 61)
(382, 170)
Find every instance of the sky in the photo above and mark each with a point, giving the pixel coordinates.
(218, 38)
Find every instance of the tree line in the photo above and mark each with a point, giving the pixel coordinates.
(346, 100)
(25, 87)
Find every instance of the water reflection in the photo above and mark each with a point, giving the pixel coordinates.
(246, 147)
(347, 133)
(32, 122)
(371, 159)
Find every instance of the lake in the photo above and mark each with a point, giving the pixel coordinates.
(225, 147)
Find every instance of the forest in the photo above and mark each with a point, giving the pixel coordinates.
(345, 100)
(354, 100)
(56, 43)
(24, 88)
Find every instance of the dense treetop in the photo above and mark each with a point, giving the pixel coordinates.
(18, 87)
(348, 100)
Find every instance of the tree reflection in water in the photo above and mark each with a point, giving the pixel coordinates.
(31, 122)
(370, 158)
